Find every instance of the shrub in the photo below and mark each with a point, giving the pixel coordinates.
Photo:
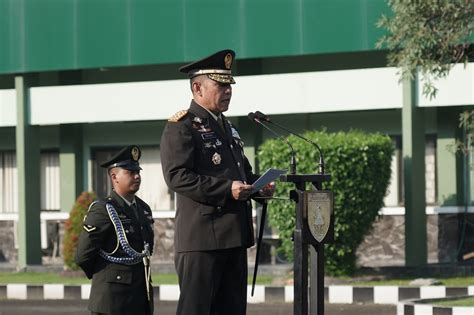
(360, 167)
(73, 227)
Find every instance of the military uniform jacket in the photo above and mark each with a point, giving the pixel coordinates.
(199, 162)
(116, 288)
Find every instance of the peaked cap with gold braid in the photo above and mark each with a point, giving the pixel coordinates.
(216, 66)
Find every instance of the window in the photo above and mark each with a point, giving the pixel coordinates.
(50, 177)
(49, 185)
(430, 170)
(395, 190)
(153, 189)
(393, 196)
(8, 183)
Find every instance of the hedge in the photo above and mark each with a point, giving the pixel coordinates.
(360, 165)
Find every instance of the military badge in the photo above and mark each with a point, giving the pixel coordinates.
(135, 153)
(235, 134)
(319, 209)
(240, 143)
(126, 220)
(209, 145)
(202, 128)
(228, 61)
(218, 142)
(216, 159)
(197, 119)
(89, 228)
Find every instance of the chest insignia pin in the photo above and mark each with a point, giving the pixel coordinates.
(216, 159)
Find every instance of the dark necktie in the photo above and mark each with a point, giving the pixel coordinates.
(135, 210)
(220, 121)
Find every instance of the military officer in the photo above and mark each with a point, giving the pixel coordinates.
(203, 161)
(116, 242)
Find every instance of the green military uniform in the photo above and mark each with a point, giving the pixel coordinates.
(200, 159)
(119, 283)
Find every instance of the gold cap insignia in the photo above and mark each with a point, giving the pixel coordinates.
(228, 61)
(135, 153)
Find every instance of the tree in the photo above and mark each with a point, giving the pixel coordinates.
(428, 37)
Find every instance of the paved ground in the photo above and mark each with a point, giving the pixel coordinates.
(30, 307)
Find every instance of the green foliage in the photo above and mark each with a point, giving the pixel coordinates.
(360, 167)
(428, 37)
(73, 227)
(466, 122)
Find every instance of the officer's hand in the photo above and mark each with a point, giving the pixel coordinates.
(268, 190)
(241, 191)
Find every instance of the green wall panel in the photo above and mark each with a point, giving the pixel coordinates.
(76, 34)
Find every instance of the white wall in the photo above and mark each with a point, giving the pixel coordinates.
(7, 108)
(273, 94)
(108, 102)
(457, 89)
(310, 92)
(314, 92)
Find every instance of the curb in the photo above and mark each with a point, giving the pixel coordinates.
(335, 294)
(420, 307)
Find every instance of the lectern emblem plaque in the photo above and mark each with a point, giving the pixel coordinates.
(319, 209)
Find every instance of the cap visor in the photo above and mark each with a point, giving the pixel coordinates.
(131, 167)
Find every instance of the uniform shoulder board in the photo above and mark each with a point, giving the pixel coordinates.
(177, 117)
(93, 203)
(89, 209)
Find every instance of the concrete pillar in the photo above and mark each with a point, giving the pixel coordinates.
(413, 133)
(450, 166)
(71, 164)
(28, 164)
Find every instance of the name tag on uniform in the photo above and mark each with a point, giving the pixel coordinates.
(209, 135)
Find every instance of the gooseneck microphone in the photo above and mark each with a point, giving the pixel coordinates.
(262, 117)
(253, 117)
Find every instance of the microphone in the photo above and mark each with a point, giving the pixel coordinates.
(262, 117)
(253, 117)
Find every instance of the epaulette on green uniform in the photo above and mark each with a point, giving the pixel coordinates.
(178, 116)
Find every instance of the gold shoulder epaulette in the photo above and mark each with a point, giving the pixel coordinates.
(177, 117)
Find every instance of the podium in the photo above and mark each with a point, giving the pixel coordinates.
(315, 227)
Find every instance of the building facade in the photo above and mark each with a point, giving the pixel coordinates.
(80, 79)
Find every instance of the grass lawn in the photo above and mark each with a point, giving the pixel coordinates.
(40, 278)
(450, 282)
(459, 302)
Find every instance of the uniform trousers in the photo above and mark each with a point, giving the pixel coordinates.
(212, 282)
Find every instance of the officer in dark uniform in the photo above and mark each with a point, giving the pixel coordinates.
(203, 161)
(116, 242)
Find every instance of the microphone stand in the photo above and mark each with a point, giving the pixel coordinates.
(259, 242)
(261, 116)
(253, 117)
(303, 236)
